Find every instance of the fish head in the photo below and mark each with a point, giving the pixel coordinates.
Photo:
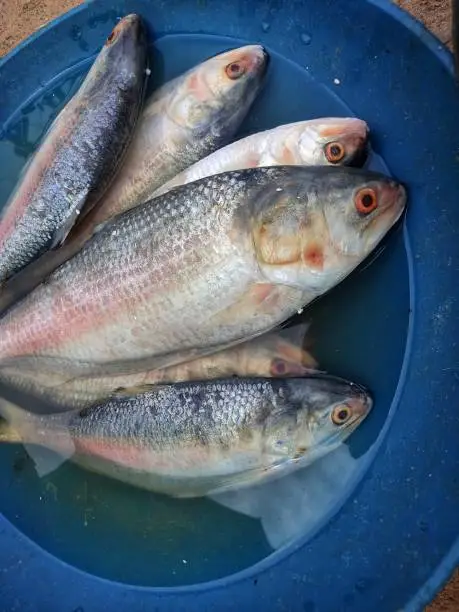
(276, 357)
(123, 58)
(319, 224)
(318, 414)
(333, 142)
(218, 92)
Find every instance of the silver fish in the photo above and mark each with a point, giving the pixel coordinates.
(273, 355)
(80, 153)
(320, 142)
(185, 120)
(194, 439)
(204, 266)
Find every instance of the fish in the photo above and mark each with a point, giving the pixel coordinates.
(184, 120)
(274, 355)
(80, 153)
(203, 267)
(317, 142)
(201, 438)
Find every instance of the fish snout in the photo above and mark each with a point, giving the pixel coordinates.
(252, 60)
(392, 195)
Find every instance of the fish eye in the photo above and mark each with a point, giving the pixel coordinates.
(366, 201)
(278, 367)
(334, 152)
(341, 414)
(235, 70)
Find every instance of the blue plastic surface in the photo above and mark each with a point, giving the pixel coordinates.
(396, 539)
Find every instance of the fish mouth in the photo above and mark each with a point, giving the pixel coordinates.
(393, 198)
(361, 403)
(361, 153)
(265, 60)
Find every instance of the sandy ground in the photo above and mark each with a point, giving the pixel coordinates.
(19, 18)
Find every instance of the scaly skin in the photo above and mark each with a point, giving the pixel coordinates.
(185, 120)
(305, 143)
(268, 356)
(192, 439)
(81, 152)
(212, 263)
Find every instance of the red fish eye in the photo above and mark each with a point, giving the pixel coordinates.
(341, 414)
(278, 367)
(366, 201)
(235, 70)
(334, 152)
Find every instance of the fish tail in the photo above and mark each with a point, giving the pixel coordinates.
(47, 451)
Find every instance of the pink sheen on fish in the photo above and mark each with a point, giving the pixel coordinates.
(205, 266)
(251, 430)
(183, 121)
(277, 355)
(307, 143)
(80, 153)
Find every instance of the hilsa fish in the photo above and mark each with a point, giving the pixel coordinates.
(330, 141)
(195, 439)
(185, 120)
(80, 153)
(276, 355)
(204, 266)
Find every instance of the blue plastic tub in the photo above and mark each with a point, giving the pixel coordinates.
(392, 541)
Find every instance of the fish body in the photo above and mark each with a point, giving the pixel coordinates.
(183, 121)
(215, 262)
(80, 153)
(193, 439)
(319, 142)
(273, 355)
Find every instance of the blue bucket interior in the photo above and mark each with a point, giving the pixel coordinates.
(390, 536)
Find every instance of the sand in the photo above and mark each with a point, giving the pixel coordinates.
(19, 18)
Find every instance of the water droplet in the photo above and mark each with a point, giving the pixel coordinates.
(306, 38)
(265, 26)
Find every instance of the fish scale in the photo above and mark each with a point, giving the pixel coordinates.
(184, 274)
(80, 153)
(300, 143)
(210, 413)
(192, 439)
(153, 243)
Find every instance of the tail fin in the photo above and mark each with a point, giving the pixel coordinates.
(48, 446)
